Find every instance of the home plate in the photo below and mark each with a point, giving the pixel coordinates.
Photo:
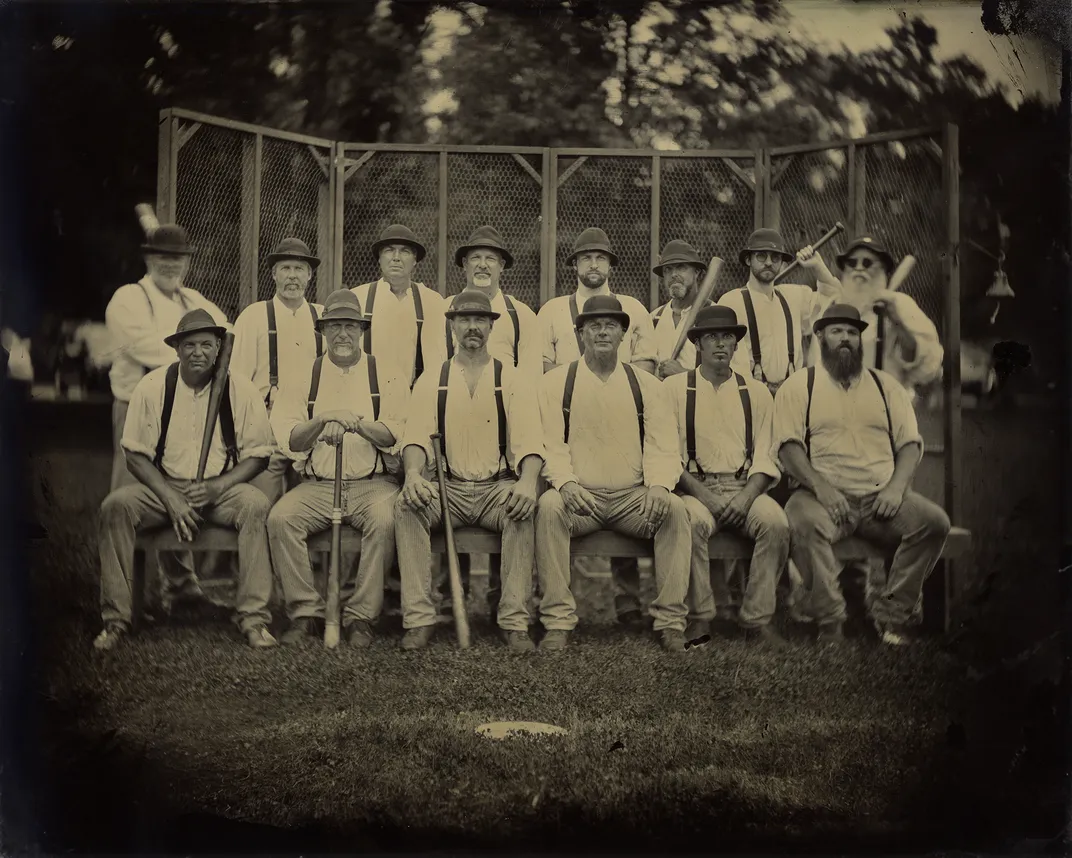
(504, 729)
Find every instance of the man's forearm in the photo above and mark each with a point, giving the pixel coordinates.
(376, 433)
(530, 468)
(794, 461)
(646, 365)
(907, 342)
(146, 473)
(304, 436)
(690, 485)
(904, 467)
(757, 484)
(414, 460)
(243, 472)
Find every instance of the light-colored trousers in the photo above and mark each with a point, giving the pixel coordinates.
(621, 510)
(915, 537)
(176, 567)
(129, 508)
(481, 504)
(766, 525)
(367, 507)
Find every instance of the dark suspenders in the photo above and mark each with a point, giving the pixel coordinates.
(226, 418)
(418, 309)
(573, 315)
(567, 399)
(273, 344)
(512, 312)
(690, 423)
(374, 393)
(885, 405)
(500, 410)
(753, 333)
(880, 336)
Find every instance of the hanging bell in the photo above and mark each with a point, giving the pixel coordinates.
(1000, 288)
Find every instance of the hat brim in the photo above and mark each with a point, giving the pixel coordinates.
(588, 249)
(820, 324)
(743, 255)
(360, 320)
(737, 330)
(881, 253)
(621, 317)
(273, 258)
(420, 249)
(459, 254)
(174, 339)
(148, 249)
(489, 314)
(678, 260)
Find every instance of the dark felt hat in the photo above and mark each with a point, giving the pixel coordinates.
(471, 302)
(169, 238)
(872, 244)
(484, 236)
(342, 305)
(769, 240)
(603, 307)
(194, 322)
(716, 318)
(398, 233)
(593, 238)
(678, 251)
(843, 313)
(292, 248)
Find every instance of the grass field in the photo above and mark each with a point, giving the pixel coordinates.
(186, 740)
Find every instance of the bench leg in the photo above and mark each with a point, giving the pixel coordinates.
(137, 594)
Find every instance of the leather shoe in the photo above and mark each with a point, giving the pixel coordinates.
(766, 635)
(260, 638)
(555, 640)
(672, 640)
(358, 634)
(299, 629)
(518, 641)
(110, 637)
(417, 638)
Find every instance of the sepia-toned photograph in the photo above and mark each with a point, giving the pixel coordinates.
(546, 426)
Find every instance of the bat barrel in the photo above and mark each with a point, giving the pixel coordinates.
(216, 394)
(837, 228)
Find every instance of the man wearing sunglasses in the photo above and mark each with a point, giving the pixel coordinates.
(899, 338)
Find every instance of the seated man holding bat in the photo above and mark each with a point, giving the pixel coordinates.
(488, 421)
(165, 429)
(848, 436)
(724, 422)
(612, 461)
(343, 400)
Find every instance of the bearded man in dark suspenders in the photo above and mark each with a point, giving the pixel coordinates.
(724, 422)
(162, 441)
(513, 339)
(277, 341)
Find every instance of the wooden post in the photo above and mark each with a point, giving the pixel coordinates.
(850, 201)
(338, 162)
(443, 179)
(325, 229)
(166, 156)
(656, 202)
(250, 222)
(547, 290)
(552, 228)
(760, 191)
(858, 212)
(951, 363)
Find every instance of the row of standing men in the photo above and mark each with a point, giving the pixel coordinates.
(409, 331)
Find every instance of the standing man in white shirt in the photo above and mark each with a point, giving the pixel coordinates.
(139, 317)
(162, 443)
(514, 339)
(612, 461)
(342, 400)
(276, 341)
(493, 453)
(724, 423)
(848, 436)
(593, 259)
(681, 270)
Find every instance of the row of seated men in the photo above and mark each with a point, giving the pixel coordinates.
(626, 435)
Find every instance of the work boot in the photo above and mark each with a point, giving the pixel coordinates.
(555, 640)
(110, 637)
(417, 638)
(300, 628)
(260, 638)
(518, 641)
(359, 633)
(767, 636)
(672, 640)
(895, 634)
(830, 633)
(697, 629)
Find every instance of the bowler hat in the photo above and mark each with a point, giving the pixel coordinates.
(603, 307)
(341, 305)
(716, 318)
(169, 238)
(398, 233)
(678, 251)
(484, 236)
(843, 313)
(292, 248)
(872, 244)
(193, 323)
(765, 240)
(471, 302)
(593, 238)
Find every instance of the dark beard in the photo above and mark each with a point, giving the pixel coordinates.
(843, 365)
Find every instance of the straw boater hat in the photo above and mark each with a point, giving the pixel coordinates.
(678, 251)
(342, 306)
(872, 244)
(484, 236)
(843, 313)
(292, 248)
(716, 318)
(194, 322)
(398, 233)
(593, 238)
(765, 240)
(471, 302)
(169, 238)
(603, 307)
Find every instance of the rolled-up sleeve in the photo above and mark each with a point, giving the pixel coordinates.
(252, 427)
(132, 332)
(902, 414)
(524, 421)
(927, 364)
(662, 449)
(763, 415)
(291, 409)
(142, 428)
(421, 416)
(790, 404)
(558, 464)
(645, 346)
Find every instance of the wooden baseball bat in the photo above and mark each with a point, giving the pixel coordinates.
(331, 609)
(703, 295)
(147, 219)
(837, 228)
(215, 396)
(900, 273)
(457, 597)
